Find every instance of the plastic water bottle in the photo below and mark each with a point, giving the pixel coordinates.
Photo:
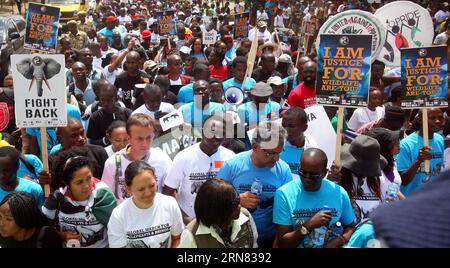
(320, 233)
(257, 187)
(392, 192)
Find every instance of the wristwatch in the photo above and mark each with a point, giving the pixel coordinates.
(304, 231)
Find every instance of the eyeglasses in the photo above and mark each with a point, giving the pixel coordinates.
(309, 175)
(271, 154)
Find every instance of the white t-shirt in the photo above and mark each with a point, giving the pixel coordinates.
(111, 77)
(368, 201)
(362, 116)
(163, 107)
(262, 15)
(133, 227)
(159, 160)
(266, 35)
(97, 62)
(387, 182)
(191, 168)
(176, 82)
(109, 150)
(124, 19)
(279, 21)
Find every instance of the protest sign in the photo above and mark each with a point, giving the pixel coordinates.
(407, 25)
(356, 22)
(171, 120)
(166, 22)
(39, 91)
(343, 70)
(42, 28)
(209, 38)
(174, 142)
(321, 131)
(424, 77)
(318, 126)
(241, 25)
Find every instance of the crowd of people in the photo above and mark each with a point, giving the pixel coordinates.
(119, 178)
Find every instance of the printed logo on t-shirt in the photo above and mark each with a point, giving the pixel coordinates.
(434, 170)
(86, 227)
(198, 178)
(135, 237)
(310, 102)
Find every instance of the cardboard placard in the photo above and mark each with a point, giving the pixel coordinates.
(209, 38)
(42, 28)
(424, 77)
(39, 90)
(241, 25)
(343, 70)
(166, 22)
(171, 120)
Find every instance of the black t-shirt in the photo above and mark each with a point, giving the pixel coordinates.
(95, 153)
(126, 83)
(7, 120)
(261, 76)
(48, 239)
(100, 121)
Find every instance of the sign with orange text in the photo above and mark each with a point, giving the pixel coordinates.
(343, 70)
(424, 77)
(241, 25)
(42, 28)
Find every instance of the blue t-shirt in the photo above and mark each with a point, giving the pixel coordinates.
(292, 155)
(233, 83)
(409, 150)
(195, 116)
(241, 173)
(186, 93)
(362, 237)
(109, 33)
(72, 111)
(199, 56)
(24, 172)
(27, 186)
(230, 54)
(294, 205)
(247, 112)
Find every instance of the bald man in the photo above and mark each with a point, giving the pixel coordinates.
(126, 80)
(306, 199)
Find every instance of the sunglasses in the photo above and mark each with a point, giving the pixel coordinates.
(312, 176)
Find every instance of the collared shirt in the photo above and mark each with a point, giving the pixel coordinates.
(79, 40)
(88, 93)
(188, 239)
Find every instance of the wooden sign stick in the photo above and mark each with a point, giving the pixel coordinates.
(44, 154)
(340, 124)
(426, 141)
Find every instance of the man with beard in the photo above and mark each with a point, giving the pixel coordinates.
(196, 164)
(260, 165)
(304, 95)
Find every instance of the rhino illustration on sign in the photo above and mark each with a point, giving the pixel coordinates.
(38, 69)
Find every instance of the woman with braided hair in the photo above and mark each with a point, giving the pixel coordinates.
(22, 224)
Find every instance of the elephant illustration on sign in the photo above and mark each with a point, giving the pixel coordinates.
(39, 70)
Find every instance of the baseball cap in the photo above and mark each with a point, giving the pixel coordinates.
(275, 80)
(261, 24)
(285, 58)
(185, 50)
(261, 89)
(146, 34)
(110, 19)
(180, 13)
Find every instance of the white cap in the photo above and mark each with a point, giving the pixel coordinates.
(185, 50)
(275, 80)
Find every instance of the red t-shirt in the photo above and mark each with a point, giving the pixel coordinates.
(221, 73)
(135, 16)
(302, 96)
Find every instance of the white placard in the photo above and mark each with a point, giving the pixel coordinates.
(39, 90)
(209, 38)
(171, 120)
(320, 131)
